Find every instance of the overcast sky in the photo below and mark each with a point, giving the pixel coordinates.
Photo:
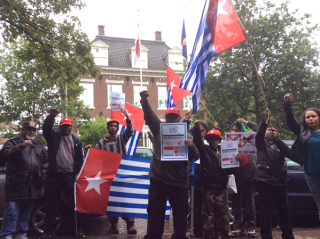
(120, 18)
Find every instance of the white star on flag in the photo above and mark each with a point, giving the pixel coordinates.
(220, 10)
(128, 114)
(172, 85)
(94, 183)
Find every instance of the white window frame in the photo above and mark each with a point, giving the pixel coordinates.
(85, 84)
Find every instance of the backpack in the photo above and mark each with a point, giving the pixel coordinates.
(2, 160)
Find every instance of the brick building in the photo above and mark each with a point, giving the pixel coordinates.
(121, 73)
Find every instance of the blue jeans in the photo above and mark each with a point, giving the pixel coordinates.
(313, 181)
(16, 217)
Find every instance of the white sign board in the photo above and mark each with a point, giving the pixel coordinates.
(117, 101)
(229, 151)
(173, 136)
(247, 142)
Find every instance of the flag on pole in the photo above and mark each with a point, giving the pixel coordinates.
(174, 93)
(219, 30)
(114, 184)
(137, 46)
(137, 119)
(184, 42)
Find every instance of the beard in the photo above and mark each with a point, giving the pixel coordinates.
(30, 137)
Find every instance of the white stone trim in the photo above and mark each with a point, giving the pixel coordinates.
(161, 83)
(139, 82)
(114, 81)
(87, 80)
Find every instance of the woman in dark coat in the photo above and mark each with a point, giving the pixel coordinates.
(306, 148)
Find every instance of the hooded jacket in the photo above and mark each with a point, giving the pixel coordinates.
(23, 180)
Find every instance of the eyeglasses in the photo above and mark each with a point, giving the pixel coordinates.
(30, 129)
(272, 130)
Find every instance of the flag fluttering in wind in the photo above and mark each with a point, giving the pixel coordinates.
(137, 46)
(184, 42)
(219, 30)
(114, 184)
(137, 118)
(174, 93)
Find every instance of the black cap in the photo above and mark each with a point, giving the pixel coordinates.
(30, 124)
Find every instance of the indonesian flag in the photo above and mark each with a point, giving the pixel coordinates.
(137, 45)
(175, 94)
(114, 184)
(137, 119)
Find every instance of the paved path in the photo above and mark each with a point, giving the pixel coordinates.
(97, 228)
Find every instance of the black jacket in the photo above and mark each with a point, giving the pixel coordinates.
(303, 134)
(23, 180)
(208, 154)
(53, 139)
(271, 167)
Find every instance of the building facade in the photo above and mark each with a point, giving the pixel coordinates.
(121, 73)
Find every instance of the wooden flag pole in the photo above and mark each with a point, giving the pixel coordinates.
(258, 76)
(208, 111)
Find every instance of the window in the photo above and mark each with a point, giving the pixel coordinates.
(113, 88)
(136, 94)
(162, 97)
(143, 59)
(187, 102)
(87, 95)
(173, 58)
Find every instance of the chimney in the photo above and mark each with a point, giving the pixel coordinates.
(157, 35)
(100, 30)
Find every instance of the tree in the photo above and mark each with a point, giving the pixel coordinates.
(52, 39)
(28, 94)
(287, 60)
(94, 130)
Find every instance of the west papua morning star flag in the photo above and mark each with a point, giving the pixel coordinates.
(137, 119)
(114, 184)
(174, 93)
(219, 30)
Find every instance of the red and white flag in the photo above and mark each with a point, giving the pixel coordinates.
(137, 119)
(136, 116)
(137, 45)
(175, 94)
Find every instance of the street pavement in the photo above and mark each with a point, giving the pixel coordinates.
(97, 228)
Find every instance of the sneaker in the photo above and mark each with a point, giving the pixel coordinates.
(21, 236)
(237, 232)
(6, 237)
(113, 230)
(48, 236)
(252, 233)
(81, 235)
(131, 230)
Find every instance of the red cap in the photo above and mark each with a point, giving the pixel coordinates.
(212, 133)
(67, 121)
(113, 120)
(243, 160)
(173, 110)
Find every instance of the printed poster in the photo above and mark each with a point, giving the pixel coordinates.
(117, 101)
(247, 142)
(229, 151)
(172, 139)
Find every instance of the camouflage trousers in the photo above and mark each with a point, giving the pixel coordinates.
(215, 213)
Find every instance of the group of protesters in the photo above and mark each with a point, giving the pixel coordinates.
(29, 167)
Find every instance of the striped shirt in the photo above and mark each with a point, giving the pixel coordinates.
(118, 143)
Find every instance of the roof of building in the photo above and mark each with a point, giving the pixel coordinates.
(119, 52)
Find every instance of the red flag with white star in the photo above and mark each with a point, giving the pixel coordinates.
(136, 115)
(94, 182)
(173, 82)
